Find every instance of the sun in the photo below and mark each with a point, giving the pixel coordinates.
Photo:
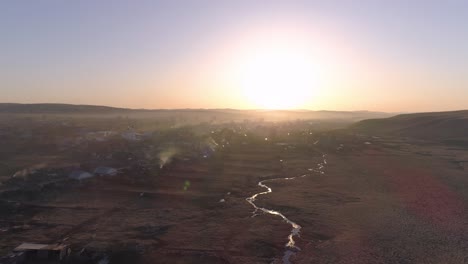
(278, 78)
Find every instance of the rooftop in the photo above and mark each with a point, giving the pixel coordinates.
(34, 246)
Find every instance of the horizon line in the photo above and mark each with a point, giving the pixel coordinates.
(189, 108)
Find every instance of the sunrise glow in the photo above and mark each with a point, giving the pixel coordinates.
(272, 73)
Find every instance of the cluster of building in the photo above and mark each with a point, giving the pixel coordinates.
(99, 171)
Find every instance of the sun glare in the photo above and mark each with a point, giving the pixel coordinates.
(278, 78)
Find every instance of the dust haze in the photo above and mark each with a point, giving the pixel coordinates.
(128, 186)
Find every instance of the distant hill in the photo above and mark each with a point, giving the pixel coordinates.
(448, 126)
(56, 108)
(188, 114)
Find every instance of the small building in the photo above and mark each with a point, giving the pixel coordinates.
(132, 136)
(100, 136)
(51, 253)
(105, 171)
(80, 175)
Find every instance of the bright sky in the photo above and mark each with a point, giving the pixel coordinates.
(339, 55)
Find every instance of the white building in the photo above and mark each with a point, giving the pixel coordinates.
(80, 175)
(105, 171)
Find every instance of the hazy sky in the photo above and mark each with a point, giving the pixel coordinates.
(373, 55)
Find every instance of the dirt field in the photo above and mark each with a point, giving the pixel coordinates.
(387, 201)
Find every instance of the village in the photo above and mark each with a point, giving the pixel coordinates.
(84, 176)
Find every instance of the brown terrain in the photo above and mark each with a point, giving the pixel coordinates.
(381, 199)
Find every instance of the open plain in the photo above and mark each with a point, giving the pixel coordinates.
(375, 199)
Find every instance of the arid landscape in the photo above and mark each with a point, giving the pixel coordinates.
(240, 132)
(179, 192)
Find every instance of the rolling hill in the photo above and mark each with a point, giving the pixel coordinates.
(447, 126)
(188, 114)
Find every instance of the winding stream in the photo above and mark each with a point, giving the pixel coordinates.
(290, 247)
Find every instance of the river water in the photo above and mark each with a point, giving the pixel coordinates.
(290, 248)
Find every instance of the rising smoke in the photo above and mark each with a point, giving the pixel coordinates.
(166, 156)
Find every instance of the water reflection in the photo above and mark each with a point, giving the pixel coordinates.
(290, 248)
